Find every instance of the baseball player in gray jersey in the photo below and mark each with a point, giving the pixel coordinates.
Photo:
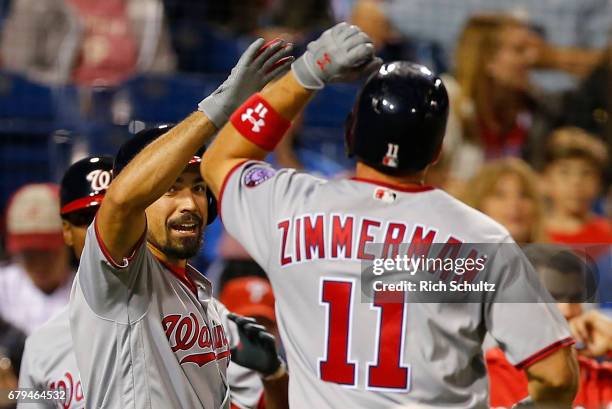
(146, 331)
(48, 361)
(311, 236)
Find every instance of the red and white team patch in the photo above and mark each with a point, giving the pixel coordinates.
(256, 175)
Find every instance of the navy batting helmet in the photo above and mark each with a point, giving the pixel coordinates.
(138, 142)
(84, 185)
(399, 119)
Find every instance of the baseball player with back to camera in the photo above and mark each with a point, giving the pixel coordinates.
(48, 361)
(311, 234)
(146, 331)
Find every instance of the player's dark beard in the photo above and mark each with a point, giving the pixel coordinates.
(182, 248)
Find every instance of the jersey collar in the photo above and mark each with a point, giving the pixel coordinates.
(180, 272)
(412, 188)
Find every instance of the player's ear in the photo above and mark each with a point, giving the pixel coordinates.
(67, 233)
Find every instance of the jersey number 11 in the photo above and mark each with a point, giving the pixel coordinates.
(386, 371)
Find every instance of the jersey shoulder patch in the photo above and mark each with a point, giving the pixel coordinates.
(257, 174)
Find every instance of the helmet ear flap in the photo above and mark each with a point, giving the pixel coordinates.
(349, 134)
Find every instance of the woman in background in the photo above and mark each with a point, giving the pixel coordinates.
(494, 107)
(507, 191)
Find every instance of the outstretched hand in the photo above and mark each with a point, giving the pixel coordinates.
(593, 330)
(258, 65)
(341, 53)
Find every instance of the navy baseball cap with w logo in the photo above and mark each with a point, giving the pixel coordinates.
(84, 184)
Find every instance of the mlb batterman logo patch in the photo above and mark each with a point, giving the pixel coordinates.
(384, 195)
(256, 175)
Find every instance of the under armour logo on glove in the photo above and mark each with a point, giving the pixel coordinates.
(257, 123)
(322, 62)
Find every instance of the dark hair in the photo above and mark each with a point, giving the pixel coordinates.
(572, 142)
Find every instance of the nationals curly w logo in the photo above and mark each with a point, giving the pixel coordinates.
(99, 179)
(185, 333)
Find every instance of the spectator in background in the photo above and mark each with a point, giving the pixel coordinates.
(251, 296)
(492, 99)
(297, 22)
(37, 284)
(237, 16)
(570, 282)
(11, 350)
(579, 26)
(263, 18)
(12, 342)
(572, 183)
(593, 330)
(507, 191)
(88, 42)
(590, 106)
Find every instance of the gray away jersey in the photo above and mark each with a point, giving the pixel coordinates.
(310, 235)
(142, 337)
(49, 364)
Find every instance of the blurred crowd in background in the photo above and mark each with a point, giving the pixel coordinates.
(528, 141)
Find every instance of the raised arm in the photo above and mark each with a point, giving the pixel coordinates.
(343, 52)
(121, 218)
(553, 381)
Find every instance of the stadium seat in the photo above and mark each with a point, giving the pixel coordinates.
(27, 119)
(24, 106)
(205, 50)
(156, 99)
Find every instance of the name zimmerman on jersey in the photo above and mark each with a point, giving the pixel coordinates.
(343, 236)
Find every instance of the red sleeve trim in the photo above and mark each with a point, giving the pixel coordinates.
(543, 353)
(107, 254)
(224, 184)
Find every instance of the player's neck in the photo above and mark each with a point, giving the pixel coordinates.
(163, 257)
(363, 171)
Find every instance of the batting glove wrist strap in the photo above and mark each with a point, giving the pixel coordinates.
(258, 122)
(213, 111)
(305, 74)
